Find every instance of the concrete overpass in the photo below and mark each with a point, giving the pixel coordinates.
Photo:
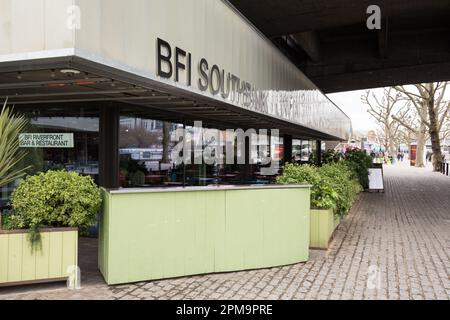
(330, 42)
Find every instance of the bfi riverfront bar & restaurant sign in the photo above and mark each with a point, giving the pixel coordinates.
(46, 140)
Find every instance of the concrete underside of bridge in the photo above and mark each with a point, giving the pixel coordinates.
(330, 42)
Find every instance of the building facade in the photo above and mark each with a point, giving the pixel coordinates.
(149, 96)
(115, 76)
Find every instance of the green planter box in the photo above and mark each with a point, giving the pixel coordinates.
(19, 264)
(323, 224)
(148, 235)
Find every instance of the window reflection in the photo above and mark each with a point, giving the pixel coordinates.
(80, 125)
(145, 147)
(146, 156)
(302, 150)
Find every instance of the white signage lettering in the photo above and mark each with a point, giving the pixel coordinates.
(46, 140)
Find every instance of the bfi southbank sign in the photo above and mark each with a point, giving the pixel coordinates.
(211, 78)
(306, 107)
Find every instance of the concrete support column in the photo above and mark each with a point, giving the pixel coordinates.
(318, 153)
(109, 146)
(287, 148)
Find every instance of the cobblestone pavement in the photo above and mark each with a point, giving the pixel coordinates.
(394, 245)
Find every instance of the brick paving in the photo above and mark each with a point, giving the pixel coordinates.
(394, 245)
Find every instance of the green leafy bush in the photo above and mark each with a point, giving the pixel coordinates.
(334, 185)
(5, 220)
(55, 199)
(331, 156)
(137, 178)
(322, 194)
(343, 181)
(360, 162)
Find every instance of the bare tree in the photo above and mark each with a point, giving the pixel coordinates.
(406, 136)
(415, 128)
(382, 110)
(138, 138)
(445, 130)
(430, 96)
(382, 139)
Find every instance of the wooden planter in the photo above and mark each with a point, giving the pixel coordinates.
(323, 224)
(149, 234)
(19, 264)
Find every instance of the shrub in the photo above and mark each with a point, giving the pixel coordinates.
(137, 178)
(55, 199)
(322, 194)
(360, 162)
(343, 182)
(132, 165)
(331, 156)
(5, 219)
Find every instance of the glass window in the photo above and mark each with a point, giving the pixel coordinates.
(296, 150)
(58, 138)
(305, 151)
(145, 147)
(302, 150)
(258, 170)
(205, 165)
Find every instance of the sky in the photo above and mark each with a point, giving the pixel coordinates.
(350, 103)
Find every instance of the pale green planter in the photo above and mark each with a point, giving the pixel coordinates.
(323, 224)
(147, 235)
(19, 264)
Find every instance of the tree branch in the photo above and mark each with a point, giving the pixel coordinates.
(407, 126)
(409, 94)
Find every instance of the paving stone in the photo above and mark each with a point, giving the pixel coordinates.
(403, 233)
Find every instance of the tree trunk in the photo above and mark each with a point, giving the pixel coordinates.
(386, 143)
(392, 150)
(420, 145)
(434, 135)
(165, 142)
(408, 139)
